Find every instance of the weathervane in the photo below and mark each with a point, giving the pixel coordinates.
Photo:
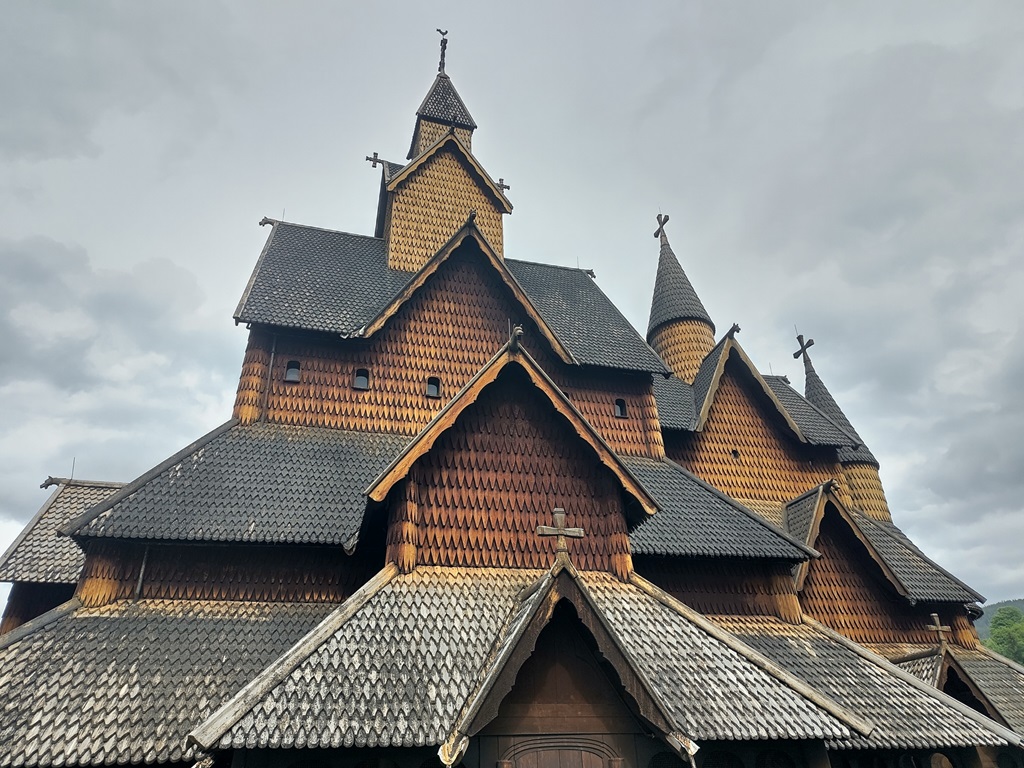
(444, 44)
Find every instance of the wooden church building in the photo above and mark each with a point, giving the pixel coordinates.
(463, 514)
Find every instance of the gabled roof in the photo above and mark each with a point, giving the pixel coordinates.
(674, 297)
(450, 629)
(817, 427)
(40, 553)
(336, 282)
(124, 683)
(1000, 679)
(257, 483)
(510, 355)
(705, 383)
(906, 712)
(442, 104)
(697, 520)
(910, 571)
(469, 232)
(674, 397)
(818, 395)
(450, 141)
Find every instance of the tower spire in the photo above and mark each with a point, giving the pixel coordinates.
(680, 329)
(444, 46)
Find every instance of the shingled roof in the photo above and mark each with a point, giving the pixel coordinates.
(818, 395)
(907, 714)
(817, 427)
(40, 553)
(336, 282)
(442, 104)
(257, 483)
(674, 296)
(1001, 680)
(696, 520)
(444, 626)
(126, 682)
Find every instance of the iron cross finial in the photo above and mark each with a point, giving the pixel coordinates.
(374, 160)
(804, 346)
(660, 231)
(444, 45)
(503, 186)
(559, 530)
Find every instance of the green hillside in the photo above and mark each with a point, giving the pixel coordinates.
(990, 611)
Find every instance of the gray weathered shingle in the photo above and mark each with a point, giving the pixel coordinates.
(815, 425)
(1000, 680)
(696, 520)
(259, 483)
(40, 553)
(127, 682)
(443, 104)
(799, 514)
(675, 403)
(905, 717)
(818, 395)
(924, 668)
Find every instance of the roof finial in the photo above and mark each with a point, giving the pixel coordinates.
(444, 44)
(804, 346)
(660, 231)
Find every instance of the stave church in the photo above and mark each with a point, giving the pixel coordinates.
(464, 514)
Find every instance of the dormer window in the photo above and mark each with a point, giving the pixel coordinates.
(433, 387)
(292, 372)
(362, 379)
(620, 408)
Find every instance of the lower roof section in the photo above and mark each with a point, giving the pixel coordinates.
(906, 712)
(126, 682)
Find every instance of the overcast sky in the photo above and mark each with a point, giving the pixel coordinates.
(853, 169)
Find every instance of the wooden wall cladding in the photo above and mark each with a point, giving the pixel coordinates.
(683, 345)
(432, 204)
(427, 132)
(190, 572)
(725, 586)
(845, 590)
(866, 492)
(501, 470)
(450, 329)
(744, 451)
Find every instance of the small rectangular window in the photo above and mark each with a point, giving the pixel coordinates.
(433, 387)
(620, 408)
(293, 373)
(362, 379)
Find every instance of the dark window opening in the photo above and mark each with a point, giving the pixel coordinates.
(362, 379)
(292, 372)
(433, 387)
(620, 408)
(735, 454)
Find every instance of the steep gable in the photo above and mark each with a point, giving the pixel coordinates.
(431, 198)
(744, 447)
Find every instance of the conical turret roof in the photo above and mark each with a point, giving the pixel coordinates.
(674, 297)
(442, 104)
(818, 395)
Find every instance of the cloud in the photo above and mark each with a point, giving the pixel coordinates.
(104, 367)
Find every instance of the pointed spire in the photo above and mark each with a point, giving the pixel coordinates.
(818, 395)
(674, 297)
(442, 110)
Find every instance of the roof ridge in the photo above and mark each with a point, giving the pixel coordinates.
(51, 480)
(553, 266)
(323, 229)
(207, 733)
(40, 621)
(74, 526)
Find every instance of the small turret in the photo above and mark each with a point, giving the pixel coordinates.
(442, 110)
(680, 329)
(859, 465)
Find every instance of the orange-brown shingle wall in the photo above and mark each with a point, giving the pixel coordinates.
(189, 572)
(431, 205)
(450, 329)
(498, 473)
(726, 586)
(427, 132)
(866, 492)
(846, 591)
(683, 345)
(769, 467)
